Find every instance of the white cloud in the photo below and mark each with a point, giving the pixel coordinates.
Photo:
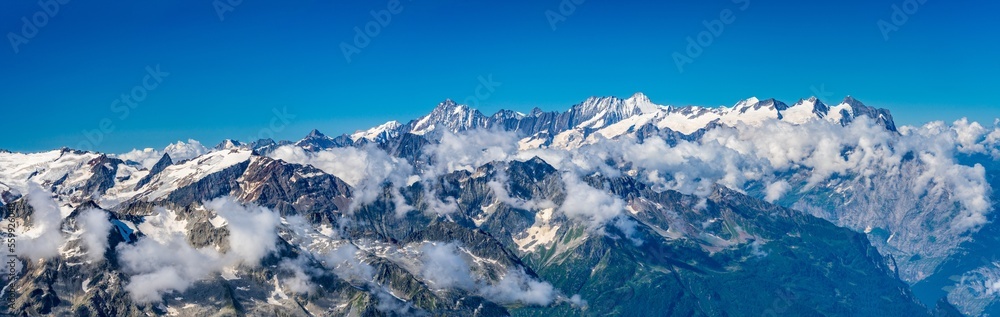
(469, 150)
(179, 151)
(252, 229)
(968, 135)
(301, 280)
(577, 301)
(516, 286)
(95, 226)
(499, 188)
(346, 263)
(162, 261)
(366, 169)
(41, 238)
(593, 206)
(776, 190)
(443, 267)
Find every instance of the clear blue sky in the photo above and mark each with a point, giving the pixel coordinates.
(226, 76)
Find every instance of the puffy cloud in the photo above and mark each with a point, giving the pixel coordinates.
(518, 287)
(993, 288)
(628, 228)
(366, 169)
(593, 206)
(252, 229)
(469, 150)
(147, 288)
(42, 238)
(968, 136)
(162, 261)
(301, 280)
(821, 150)
(464, 151)
(776, 190)
(346, 263)
(179, 151)
(95, 226)
(577, 301)
(499, 188)
(443, 267)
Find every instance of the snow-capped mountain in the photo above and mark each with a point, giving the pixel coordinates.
(450, 116)
(607, 208)
(379, 134)
(610, 117)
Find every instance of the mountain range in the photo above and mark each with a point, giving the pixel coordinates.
(614, 207)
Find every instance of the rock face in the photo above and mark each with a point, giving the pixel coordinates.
(729, 254)
(543, 215)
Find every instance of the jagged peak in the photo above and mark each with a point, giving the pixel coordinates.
(228, 144)
(165, 158)
(747, 102)
(637, 103)
(315, 134)
(639, 97)
(849, 100)
(536, 160)
(641, 102)
(448, 104)
(816, 102)
(776, 104)
(504, 113)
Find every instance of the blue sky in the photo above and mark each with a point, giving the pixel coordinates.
(226, 77)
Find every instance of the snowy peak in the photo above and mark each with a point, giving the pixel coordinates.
(852, 102)
(805, 110)
(745, 104)
(380, 133)
(851, 108)
(315, 134)
(609, 117)
(642, 103)
(449, 116)
(315, 141)
(228, 144)
(599, 112)
(754, 104)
